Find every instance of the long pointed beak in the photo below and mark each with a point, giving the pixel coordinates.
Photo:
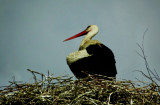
(77, 35)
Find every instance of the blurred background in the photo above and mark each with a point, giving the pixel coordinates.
(32, 34)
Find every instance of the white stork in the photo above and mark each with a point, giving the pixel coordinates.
(92, 57)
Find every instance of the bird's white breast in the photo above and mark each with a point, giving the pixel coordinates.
(75, 56)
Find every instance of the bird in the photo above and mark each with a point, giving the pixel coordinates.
(92, 58)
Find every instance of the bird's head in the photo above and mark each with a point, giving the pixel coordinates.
(93, 29)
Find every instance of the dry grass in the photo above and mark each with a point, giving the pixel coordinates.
(52, 90)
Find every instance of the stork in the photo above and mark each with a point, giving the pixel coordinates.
(92, 57)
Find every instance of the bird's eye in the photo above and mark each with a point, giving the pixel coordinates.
(88, 26)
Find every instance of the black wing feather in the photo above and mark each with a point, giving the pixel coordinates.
(101, 62)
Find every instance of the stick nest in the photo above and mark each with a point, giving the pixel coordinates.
(64, 90)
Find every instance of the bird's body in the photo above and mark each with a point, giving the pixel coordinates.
(92, 57)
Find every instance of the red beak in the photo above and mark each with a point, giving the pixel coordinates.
(77, 35)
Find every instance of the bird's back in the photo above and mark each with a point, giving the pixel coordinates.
(99, 60)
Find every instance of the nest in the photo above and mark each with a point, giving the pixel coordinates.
(64, 90)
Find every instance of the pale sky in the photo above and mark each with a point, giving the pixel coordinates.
(32, 34)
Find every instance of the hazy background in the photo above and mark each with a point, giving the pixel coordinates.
(32, 34)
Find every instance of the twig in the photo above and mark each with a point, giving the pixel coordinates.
(151, 74)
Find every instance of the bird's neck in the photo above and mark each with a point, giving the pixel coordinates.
(88, 37)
